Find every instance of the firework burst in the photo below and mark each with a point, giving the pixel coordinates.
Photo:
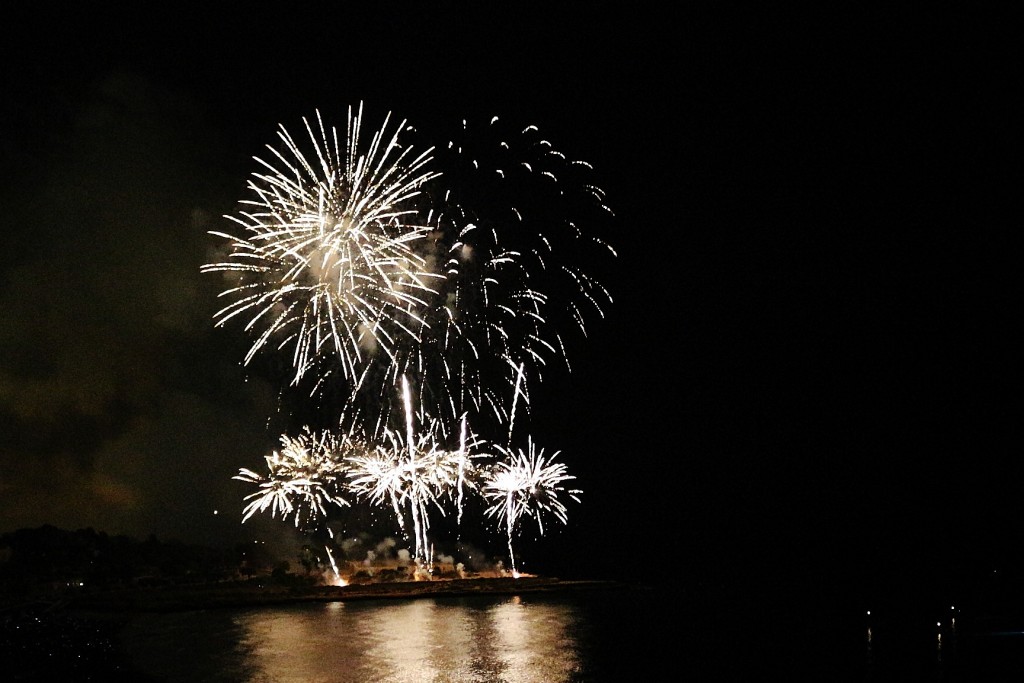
(415, 472)
(329, 266)
(527, 484)
(303, 478)
(458, 265)
(509, 211)
(459, 268)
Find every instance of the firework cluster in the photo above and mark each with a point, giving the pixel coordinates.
(392, 269)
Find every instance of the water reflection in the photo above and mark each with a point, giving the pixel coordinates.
(511, 640)
(418, 640)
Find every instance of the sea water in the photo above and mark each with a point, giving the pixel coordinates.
(631, 635)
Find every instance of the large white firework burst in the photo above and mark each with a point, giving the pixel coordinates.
(330, 264)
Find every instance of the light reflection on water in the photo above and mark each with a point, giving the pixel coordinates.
(515, 640)
(577, 637)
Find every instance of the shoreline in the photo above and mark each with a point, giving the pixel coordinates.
(204, 596)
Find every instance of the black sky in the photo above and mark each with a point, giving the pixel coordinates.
(812, 356)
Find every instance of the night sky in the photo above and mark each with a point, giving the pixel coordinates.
(812, 361)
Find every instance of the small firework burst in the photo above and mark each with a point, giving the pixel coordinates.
(527, 484)
(304, 477)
